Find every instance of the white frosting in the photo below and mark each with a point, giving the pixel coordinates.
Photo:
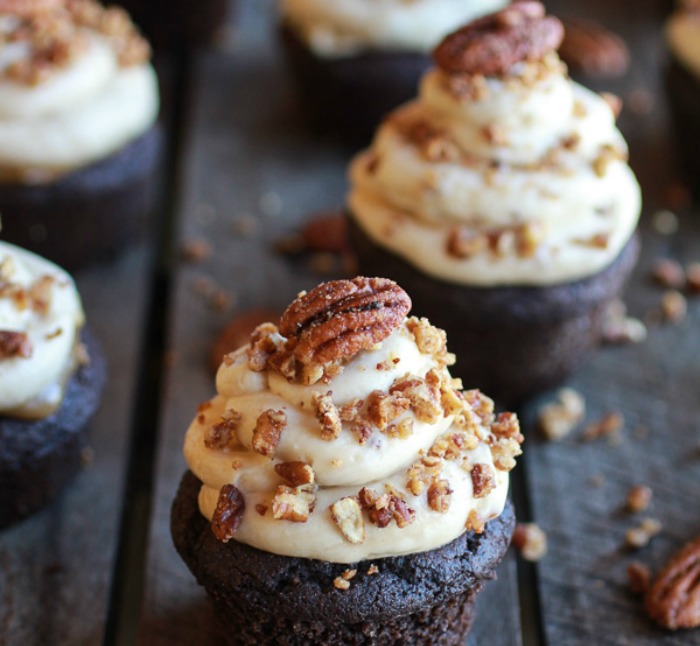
(51, 333)
(81, 114)
(344, 27)
(524, 175)
(342, 466)
(683, 37)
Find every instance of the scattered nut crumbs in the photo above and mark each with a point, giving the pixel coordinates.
(639, 577)
(617, 327)
(195, 250)
(341, 584)
(557, 419)
(610, 425)
(639, 498)
(669, 273)
(347, 515)
(674, 306)
(349, 574)
(638, 537)
(665, 222)
(373, 569)
(531, 541)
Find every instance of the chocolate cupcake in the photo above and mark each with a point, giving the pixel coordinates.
(51, 382)
(682, 79)
(502, 196)
(178, 24)
(354, 60)
(342, 488)
(78, 138)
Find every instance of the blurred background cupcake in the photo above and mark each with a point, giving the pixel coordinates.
(51, 379)
(502, 198)
(683, 86)
(78, 135)
(355, 60)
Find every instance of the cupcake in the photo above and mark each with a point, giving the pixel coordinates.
(355, 60)
(683, 87)
(78, 140)
(502, 197)
(341, 487)
(179, 24)
(51, 376)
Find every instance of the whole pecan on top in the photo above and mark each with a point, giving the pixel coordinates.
(338, 319)
(673, 601)
(493, 44)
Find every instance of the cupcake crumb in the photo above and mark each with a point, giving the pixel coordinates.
(530, 541)
(559, 418)
(639, 498)
(665, 222)
(639, 577)
(638, 537)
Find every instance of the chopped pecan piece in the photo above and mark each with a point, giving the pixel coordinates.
(296, 473)
(382, 409)
(223, 434)
(347, 514)
(327, 415)
(423, 395)
(639, 577)
(362, 431)
(504, 451)
(493, 44)
(610, 424)
(507, 425)
(638, 537)
(674, 306)
(481, 404)
(531, 541)
(228, 513)
(294, 504)
(262, 346)
(463, 242)
(349, 411)
(338, 319)
(423, 472)
(440, 496)
(14, 344)
(385, 508)
(483, 480)
(474, 523)
(558, 419)
(340, 583)
(268, 430)
(401, 429)
(673, 601)
(639, 498)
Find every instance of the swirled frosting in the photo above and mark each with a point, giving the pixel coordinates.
(513, 180)
(40, 316)
(439, 460)
(683, 36)
(78, 99)
(346, 27)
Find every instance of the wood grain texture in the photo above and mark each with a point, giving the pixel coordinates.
(247, 162)
(56, 566)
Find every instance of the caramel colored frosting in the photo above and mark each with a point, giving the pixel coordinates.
(513, 178)
(348, 440)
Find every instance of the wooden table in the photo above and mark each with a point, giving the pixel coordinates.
(99, 566)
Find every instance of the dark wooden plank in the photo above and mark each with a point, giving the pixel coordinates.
(55, 567)
(246, 159)
(578, 489)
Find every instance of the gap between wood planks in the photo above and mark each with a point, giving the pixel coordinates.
(128, 575)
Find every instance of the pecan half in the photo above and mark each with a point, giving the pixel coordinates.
(494, 43)
(673, 601)
(338, 319)
(228, 513)
(14, 344)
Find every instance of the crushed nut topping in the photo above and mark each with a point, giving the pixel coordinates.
(373, 569)
(340, 583)
(296, 473)
(223, 434)
(639, 498)
(268, 430)
(673, 306)
(483, 480)
(382, 408)
(327, 415)
(422, 395)
(557, 419)
(384, 508)
(294, 504)
(531, 541)
(347, 515)
(228, 513)
(474, 523)
(15, 344)
(638, 537)
(430, 340)
(440, 496)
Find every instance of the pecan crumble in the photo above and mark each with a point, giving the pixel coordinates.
(268, 430)
(228, 513)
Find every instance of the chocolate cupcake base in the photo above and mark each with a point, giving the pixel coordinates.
(683, 89)
(512, 342)
(349, 96)
(38, 458)
(264, 598)
(88, 214)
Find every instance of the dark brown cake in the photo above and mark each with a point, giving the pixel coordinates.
(88, 214)
(264, 598)
(349, 96)
(512, 341)
(38, 458)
